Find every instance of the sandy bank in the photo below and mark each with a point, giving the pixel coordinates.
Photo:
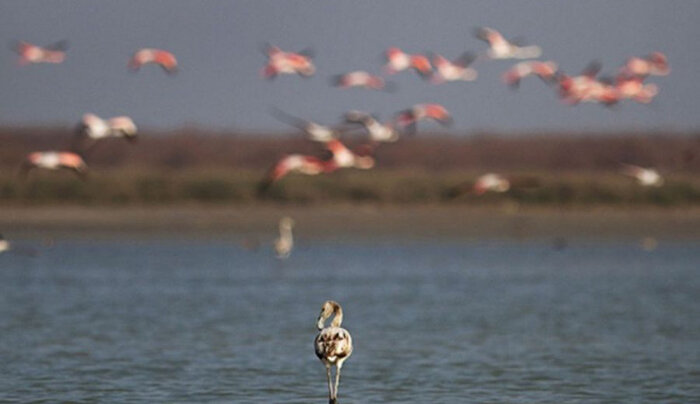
(368, 221)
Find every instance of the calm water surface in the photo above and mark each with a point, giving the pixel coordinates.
(433, 322)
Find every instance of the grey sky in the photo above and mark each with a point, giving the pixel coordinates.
(217, 44)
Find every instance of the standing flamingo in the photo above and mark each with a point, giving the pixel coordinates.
(285, 242)
(333, 344)
(4, 244)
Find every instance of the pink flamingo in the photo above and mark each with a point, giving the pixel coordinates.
(30, 53)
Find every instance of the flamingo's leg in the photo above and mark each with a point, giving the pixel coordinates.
(337, 379)
(331, 398)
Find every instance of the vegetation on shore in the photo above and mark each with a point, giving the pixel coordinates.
(195, 166)
(218, 186)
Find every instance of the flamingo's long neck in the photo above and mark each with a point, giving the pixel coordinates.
(337, 316)
(286, 232)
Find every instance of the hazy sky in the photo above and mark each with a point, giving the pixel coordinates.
(218, 46)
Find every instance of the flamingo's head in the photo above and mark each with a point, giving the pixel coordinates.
(326, 311)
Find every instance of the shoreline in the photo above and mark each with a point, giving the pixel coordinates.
(370, 221)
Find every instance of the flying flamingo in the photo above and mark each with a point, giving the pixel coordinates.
(378, 132)
(94, 128)
(339, 157)
(544, 70)
(281, 62)
(397, 61)
(285, 242)
(333, 344)
(500, 48)
(299, 163)
(314, 131)
(491, 182)
(30, 53)
(582, 88)
(457, 70)
(164, 59)
(409, 118)
(635, 89)
(343, 157)
(361, 79)
(646, 177)
(655, 64)
(54, 160)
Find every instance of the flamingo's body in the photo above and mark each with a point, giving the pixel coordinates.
(360, 78)
(397, 61)
(281, 62)
(634, 88)
(314, 131)
(30, 53)
(654, 64)
(500, 48)
(343, 157)
(377, 131)
(55, 160)
(646, 177)
(285, 242)
(457, 70)
(96, 128)
(4, 244)
(333, 344)
(436, 112)
(162, 58)
(544, 70)
(491, 182)
(296, 163)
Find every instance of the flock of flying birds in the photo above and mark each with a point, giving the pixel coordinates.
(333, 345)
(629, 83)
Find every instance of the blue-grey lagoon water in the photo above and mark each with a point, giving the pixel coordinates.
(194, 321)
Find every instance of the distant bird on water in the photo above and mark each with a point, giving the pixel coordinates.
(500, 48)
(54, 160)
(333, 344)
(4, 244)
(285, 242)
(30, 53)
(162, 58)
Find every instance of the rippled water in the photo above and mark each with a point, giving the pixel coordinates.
(433, 322)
